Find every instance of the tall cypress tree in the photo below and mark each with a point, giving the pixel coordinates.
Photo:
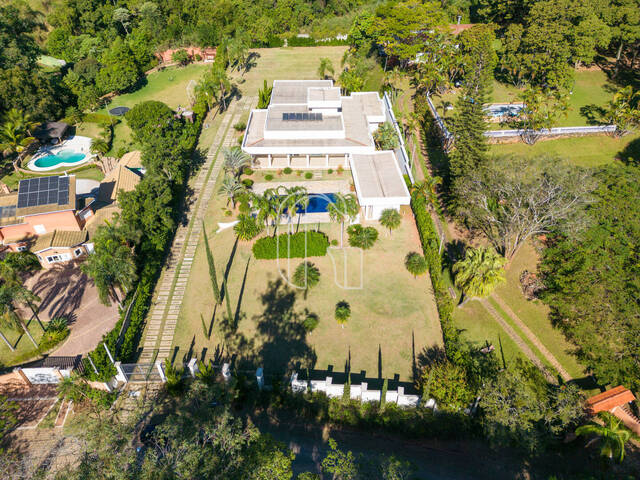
(212, 267)
(479, 60)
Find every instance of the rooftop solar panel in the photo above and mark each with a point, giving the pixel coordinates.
(35, 192)
(63, 198)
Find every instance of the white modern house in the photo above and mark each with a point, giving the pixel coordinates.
(309, 124)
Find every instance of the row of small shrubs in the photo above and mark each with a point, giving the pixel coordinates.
(295, 41)
(291, 246)
(430, 247)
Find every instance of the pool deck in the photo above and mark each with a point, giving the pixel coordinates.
(319, 186)
(76, 144)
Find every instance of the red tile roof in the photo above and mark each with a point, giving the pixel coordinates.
(610, 399)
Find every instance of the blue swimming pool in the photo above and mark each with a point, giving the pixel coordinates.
(62, 158)
(317, 203)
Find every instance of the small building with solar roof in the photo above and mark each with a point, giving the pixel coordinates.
(43, 207)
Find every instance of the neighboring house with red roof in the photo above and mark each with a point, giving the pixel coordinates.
(208, 54)
(616, 401)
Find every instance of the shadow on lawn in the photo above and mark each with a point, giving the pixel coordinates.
(280, 342)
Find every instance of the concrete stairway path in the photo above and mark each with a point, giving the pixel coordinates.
(163, 315)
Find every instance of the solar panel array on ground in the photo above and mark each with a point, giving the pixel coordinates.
(34, 192)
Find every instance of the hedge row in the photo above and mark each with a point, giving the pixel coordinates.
(312, 42)
(150, 266)
(430, 247)
(291, 246)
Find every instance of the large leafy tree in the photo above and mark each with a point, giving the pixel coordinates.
(592, 280)
(479, 272)
(512, 199)
(120, 71)
(405, 29)
(520, 408)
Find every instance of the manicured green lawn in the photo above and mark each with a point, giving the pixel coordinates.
(13, 178)
(592, 87)
(535, 314)
(299, 63)
(478, 326)
(393, 311)
(588, 151)
(24, 349)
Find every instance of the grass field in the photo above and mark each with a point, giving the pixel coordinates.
(392, 311)
(300, 63)
(24, 349)
(12, 178)
(588, 151)
(591, 88)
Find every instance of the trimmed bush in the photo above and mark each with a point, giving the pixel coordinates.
(287, 171)
(247, 182)
(308, 175)
(291, 246)
(240, 126)
(268, 177)
(247, 171)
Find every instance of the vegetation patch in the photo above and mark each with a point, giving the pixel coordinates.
(297, 245)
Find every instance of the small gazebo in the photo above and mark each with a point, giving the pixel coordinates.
(51, 132)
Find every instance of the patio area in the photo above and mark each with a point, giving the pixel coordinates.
(67, 292)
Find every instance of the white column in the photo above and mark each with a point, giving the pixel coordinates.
(160, 368)
(326, 157)
(120, 376)
(270, 159)
(308, 161)
(288, 160)
(346, 160)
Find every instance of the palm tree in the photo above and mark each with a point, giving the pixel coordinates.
(218, 76)
(481, 270)
(613, 435)
(342, 312)
(306, 276)
(343, 207)
(235, 160)
(390, 218)
(265, 204)
(9, 274)
(15, 134)
(247, 227)
(295, 201)
(429, 189)
(9, 317)
(99, 146)
(362, 237)
(111, 265)
(325, 66)
(231, 187)
(415, 264)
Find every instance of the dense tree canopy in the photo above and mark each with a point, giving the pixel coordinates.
(592, 280)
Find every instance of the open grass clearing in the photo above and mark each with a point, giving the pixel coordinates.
(591, 87)
(587, 151)
(392, 311)
(291, 63)
(24, 349)
(13, 178)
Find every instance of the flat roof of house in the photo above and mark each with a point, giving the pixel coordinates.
(377, 175)
(371, 102)
(59, 238)
(324, 94)
(295, 91)
(275, 120)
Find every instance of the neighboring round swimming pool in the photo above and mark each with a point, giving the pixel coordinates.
(64, 158)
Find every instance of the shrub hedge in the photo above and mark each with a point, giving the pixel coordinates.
(150, 261)
(430, 247)
(291, 246)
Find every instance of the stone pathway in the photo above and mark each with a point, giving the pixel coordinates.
(517, 339)
(163, 316)
(533, 338)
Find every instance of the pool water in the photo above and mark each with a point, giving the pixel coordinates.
(64, 156)
(317, 203)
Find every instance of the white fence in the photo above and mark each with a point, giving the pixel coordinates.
(401, 151)
(553, 131)
(356, 392)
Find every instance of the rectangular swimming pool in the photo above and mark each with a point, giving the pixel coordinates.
(318, 203)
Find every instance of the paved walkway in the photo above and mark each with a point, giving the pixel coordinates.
(533, 338)
(170, 290)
